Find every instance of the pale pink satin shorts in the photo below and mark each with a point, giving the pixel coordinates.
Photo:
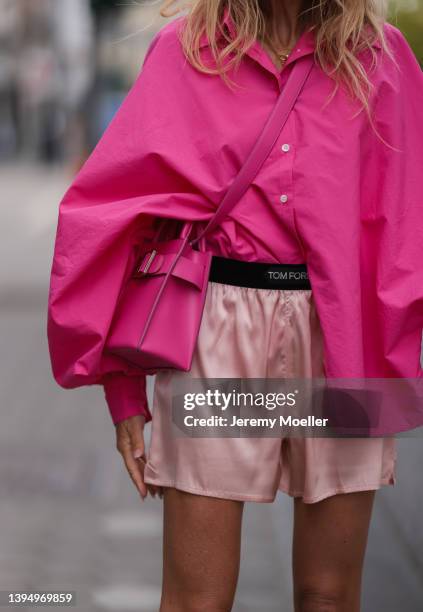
(259, 333)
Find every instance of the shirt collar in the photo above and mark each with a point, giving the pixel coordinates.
(305, 45)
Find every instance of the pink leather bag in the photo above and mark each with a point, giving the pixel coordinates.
(159, 310)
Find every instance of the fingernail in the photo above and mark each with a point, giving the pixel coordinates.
(137, 453)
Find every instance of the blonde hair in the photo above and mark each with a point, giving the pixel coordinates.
(343, 30)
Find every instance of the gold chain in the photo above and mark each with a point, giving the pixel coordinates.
(282, 54)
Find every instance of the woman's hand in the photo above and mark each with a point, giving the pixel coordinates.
(130, 444)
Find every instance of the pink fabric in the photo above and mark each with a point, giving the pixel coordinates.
(259, 333)
(123, 394)
(351, 205)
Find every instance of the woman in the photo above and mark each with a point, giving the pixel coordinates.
(338, 193)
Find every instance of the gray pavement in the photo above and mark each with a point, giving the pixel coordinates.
(69, 516)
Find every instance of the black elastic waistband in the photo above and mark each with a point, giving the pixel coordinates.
(259, 275)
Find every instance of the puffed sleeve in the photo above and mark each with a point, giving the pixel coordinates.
(134, 174)
(392, 241)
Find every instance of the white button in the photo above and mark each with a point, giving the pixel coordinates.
(285, 148)
(284, 198)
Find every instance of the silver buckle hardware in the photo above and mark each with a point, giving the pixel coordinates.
(147, 260)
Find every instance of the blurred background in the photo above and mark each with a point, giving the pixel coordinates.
(69, 516)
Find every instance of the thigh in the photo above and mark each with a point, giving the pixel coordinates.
(329, 545)
(201, 551)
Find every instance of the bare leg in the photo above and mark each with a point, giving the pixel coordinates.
(201, 552)
(330, 539)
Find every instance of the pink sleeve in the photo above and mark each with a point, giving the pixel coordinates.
(108, 208)
(135, 174)
(393, 229)
(126, 397)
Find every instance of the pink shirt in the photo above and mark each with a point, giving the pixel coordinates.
(331, 194)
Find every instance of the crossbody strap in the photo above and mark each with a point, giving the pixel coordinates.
(265, 142)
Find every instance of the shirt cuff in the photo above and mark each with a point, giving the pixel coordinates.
(126, 396)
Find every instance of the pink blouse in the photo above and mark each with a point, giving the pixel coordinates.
(335, 192)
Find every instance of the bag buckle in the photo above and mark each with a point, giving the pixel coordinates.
(143, 268)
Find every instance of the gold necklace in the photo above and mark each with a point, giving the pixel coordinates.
(282, 54)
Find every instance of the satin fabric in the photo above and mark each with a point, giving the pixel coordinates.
(337, 192)
(259, 333)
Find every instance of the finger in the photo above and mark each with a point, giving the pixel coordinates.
(132, 447)
(151, 488)
(138, 446)
(166, 11)
(135, 471)
(138, 453)
(135, 433)
(141, 460)
(159, 490)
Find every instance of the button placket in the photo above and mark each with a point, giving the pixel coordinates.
(286, 151)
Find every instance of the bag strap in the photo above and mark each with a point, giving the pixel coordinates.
(264, 144)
